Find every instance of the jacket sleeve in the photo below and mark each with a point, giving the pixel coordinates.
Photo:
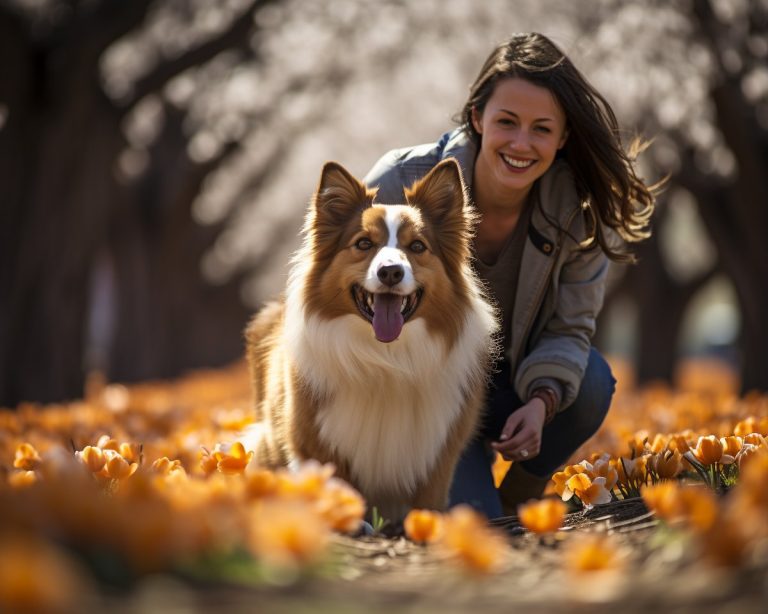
(562, 349)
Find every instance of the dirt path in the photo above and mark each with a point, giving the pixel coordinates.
(660, 574)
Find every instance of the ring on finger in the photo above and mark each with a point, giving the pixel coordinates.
(524, 453)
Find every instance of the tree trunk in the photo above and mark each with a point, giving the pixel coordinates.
(169, 318)
(58, 145)
(661, 302)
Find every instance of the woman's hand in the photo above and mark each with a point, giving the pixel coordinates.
(521, 436)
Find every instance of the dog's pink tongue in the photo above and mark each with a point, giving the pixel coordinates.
(387, 319)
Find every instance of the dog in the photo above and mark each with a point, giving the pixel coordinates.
(377, 358)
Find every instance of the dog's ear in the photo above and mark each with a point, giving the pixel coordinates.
(441, 193)
(442, 198)
(339, 194)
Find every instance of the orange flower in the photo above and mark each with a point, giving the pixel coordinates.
(130, 452)
(575, 484)
(602, 468)
(700, 507)
(423, 526)
(708, 450)
(630, 471)
(470, 541)
(726, 544)
(679, 442)
(693, 505)
(662, 499)
(260, 483)
(27, 457)
(287, 534)
(166, 466)
(755, 439)
(753, 477)
(732, 445)
(22, 479)
(208, 462)
(560, 479)
(590, 492)
(308, 482)
(35, 577)
(745, 427)
(106, 442)
(667, 465)
(591, 552)
(499, 469)
(117, 467)
(659, 443)
(93, 458)
(638, 444)
(235, 419)
(341, 506)
(233, 461)
(544, 516)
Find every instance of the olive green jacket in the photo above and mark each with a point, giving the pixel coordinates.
(561, 285)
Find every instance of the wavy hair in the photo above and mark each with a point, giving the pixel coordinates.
(605, 176)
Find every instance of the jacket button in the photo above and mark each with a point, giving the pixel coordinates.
(547, 247)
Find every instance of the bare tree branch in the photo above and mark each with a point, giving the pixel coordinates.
(236, 36)
(113, 20)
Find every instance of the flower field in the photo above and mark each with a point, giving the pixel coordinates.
(102, 496)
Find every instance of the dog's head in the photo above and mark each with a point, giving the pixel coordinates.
(392, 263)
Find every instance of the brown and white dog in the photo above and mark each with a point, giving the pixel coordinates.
(377, 358)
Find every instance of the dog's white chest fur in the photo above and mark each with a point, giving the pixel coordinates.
(390, 406)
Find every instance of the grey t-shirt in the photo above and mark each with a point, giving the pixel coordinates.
(501, 277)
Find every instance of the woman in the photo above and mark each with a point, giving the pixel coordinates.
(557, 197)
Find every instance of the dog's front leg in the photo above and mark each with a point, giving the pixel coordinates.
(434, 493)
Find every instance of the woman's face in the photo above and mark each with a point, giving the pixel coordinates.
(521, 128)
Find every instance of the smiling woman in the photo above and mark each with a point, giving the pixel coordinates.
(555, 194)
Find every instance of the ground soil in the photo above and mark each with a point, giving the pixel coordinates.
(661, 572)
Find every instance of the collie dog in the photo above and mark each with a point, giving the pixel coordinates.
(376, 360)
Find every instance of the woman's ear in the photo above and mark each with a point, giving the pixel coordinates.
(563, 138)
(477, 120)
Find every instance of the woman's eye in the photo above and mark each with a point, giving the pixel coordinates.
(364, 244)
(544, 129)
(417, 247)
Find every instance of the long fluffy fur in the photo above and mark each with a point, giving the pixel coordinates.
(392, 417)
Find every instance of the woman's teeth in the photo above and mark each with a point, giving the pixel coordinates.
(517, 163)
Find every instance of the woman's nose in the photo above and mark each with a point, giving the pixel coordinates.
(520, 139)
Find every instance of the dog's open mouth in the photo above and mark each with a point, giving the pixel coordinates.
(387, 312)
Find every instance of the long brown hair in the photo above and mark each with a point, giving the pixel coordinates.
(604, 171)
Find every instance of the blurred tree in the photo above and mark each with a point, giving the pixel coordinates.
(66, 203)
(699, 82)
(734, 206)
(60, 136)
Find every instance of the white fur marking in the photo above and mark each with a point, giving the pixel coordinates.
(391, 254)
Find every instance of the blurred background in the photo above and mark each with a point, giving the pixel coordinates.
(157, 157)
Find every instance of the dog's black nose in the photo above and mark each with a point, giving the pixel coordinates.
(391, 274)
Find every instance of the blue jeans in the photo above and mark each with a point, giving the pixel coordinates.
(473, 480)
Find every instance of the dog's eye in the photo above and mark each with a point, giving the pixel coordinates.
(417, 247)
(364, 244)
